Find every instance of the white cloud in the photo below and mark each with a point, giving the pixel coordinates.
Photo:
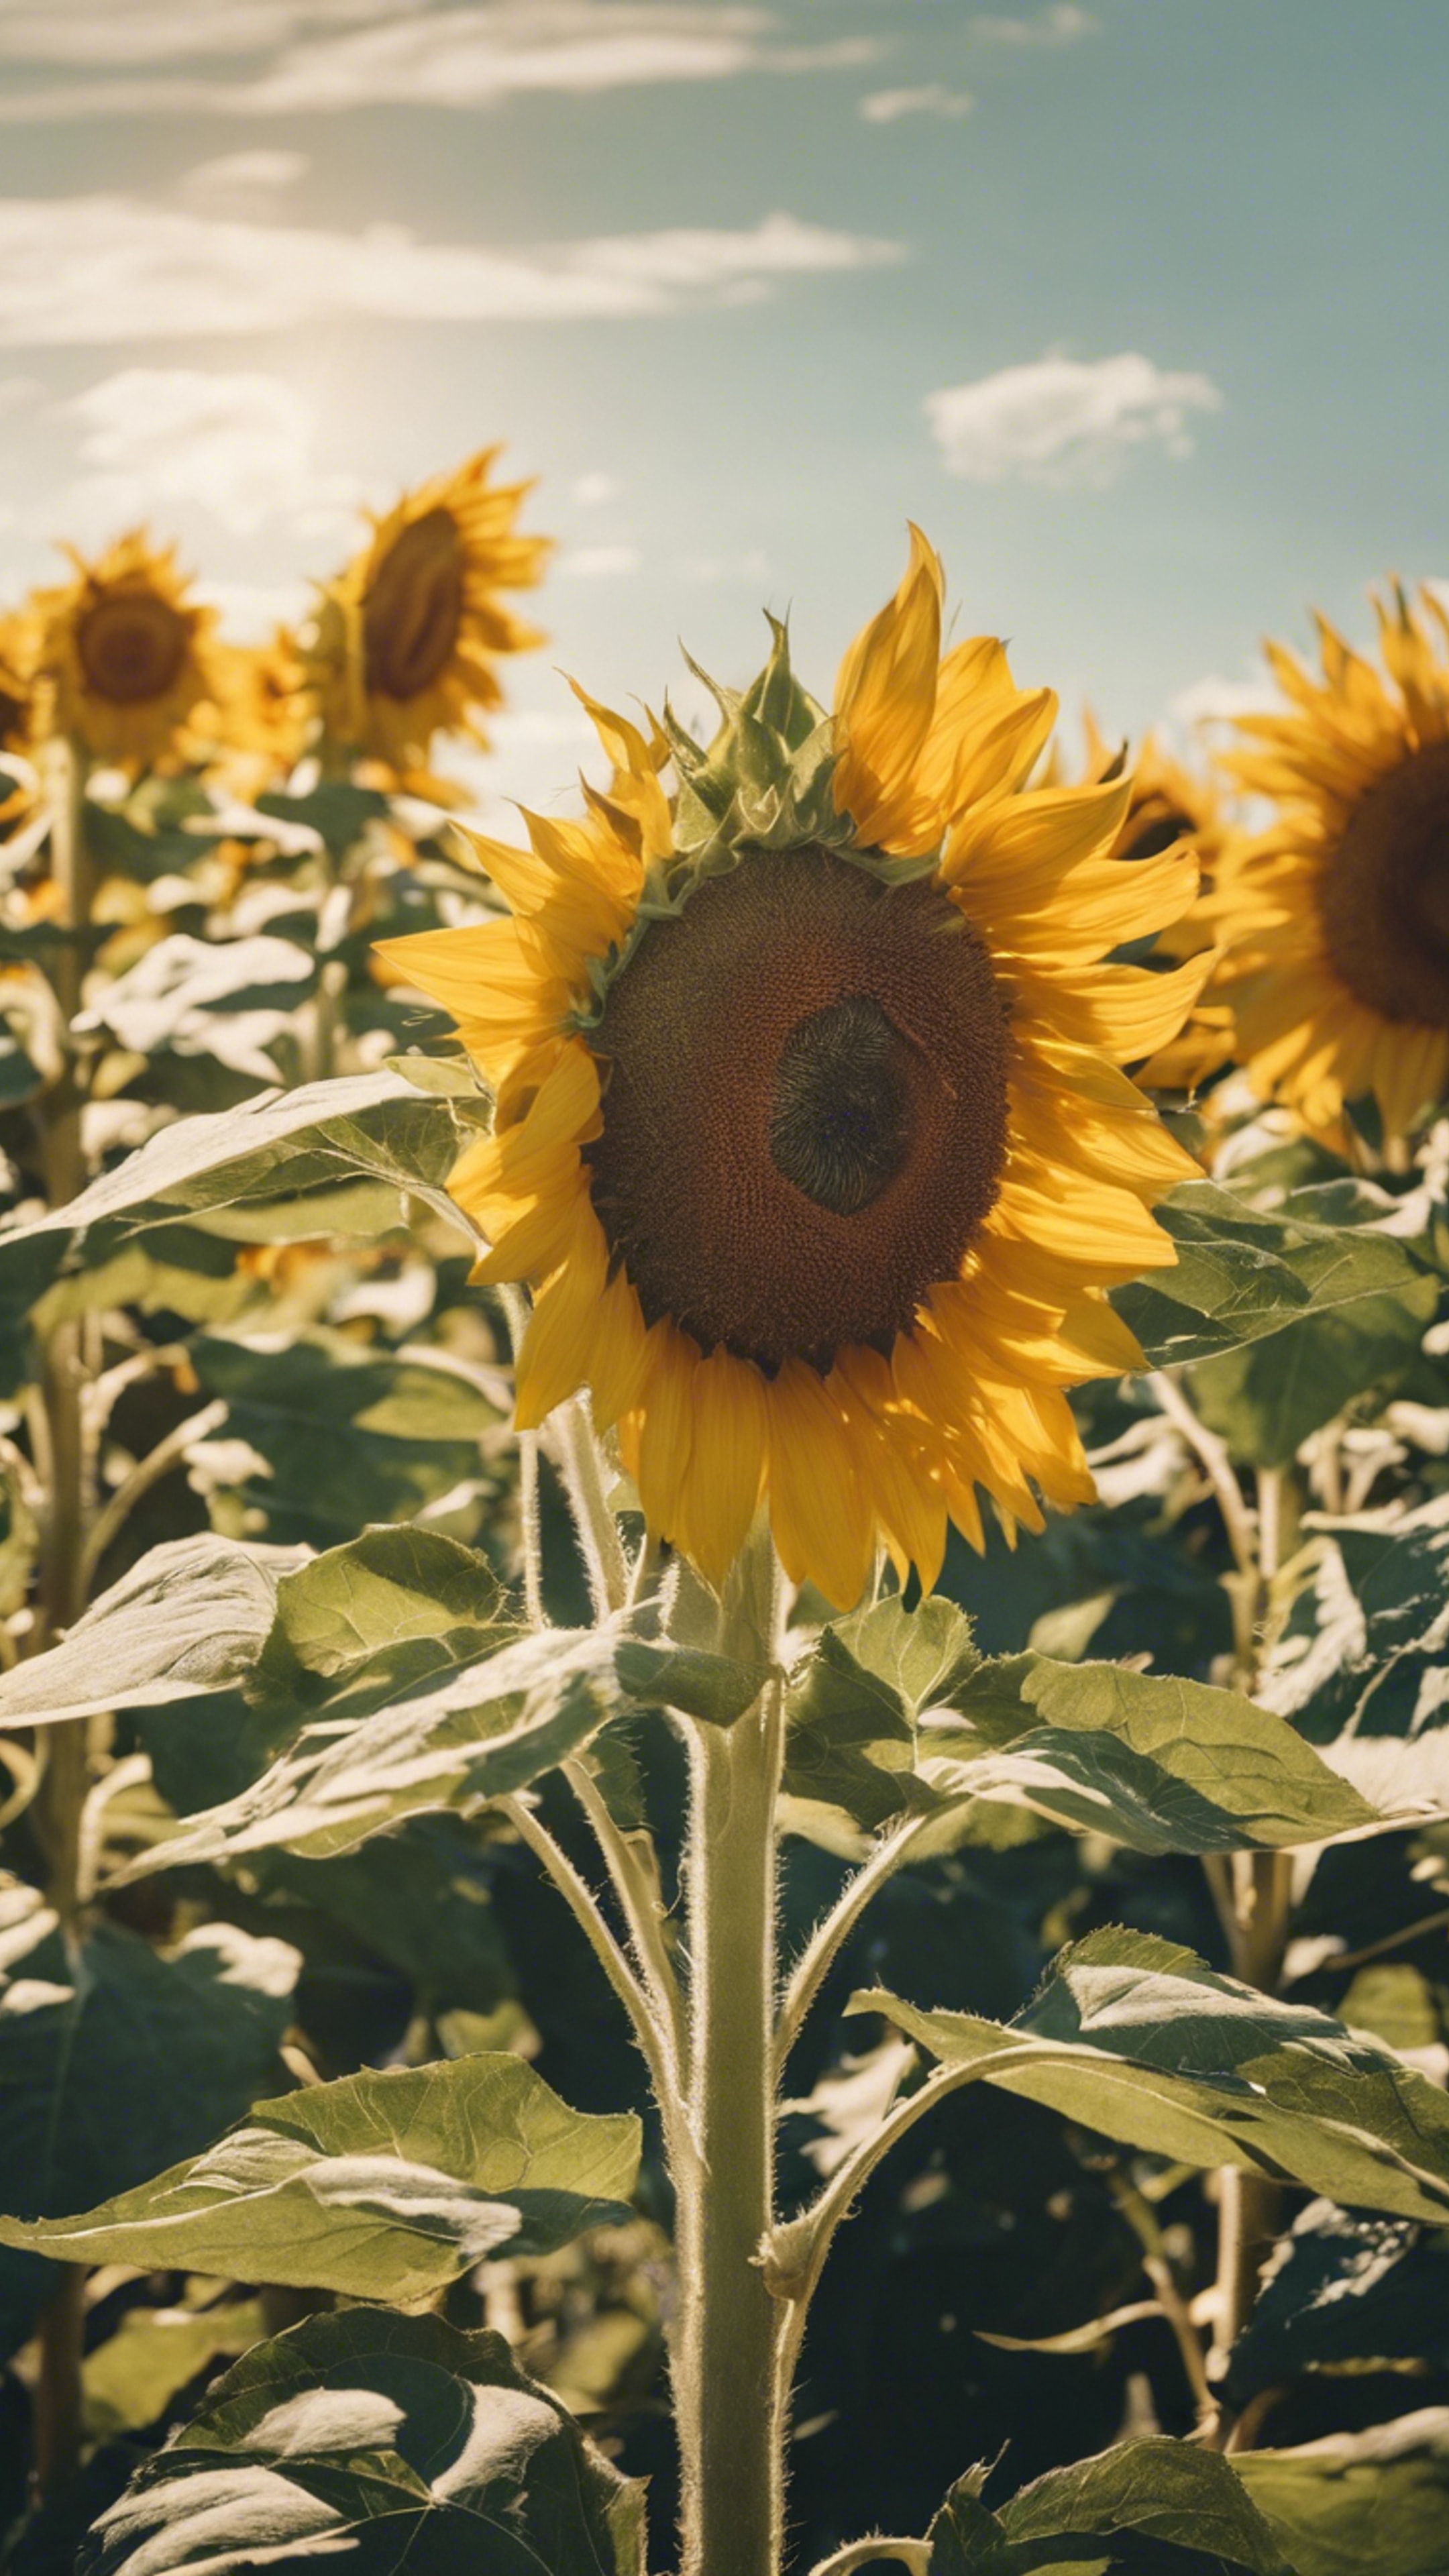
(599, 563)
(1061, 25)
(242, 447)
(888, 106)
(592, 490)
(1215, 700)
(752, 566)
(1063, 421)
(242, 183)
(104, 269)
(463, 56)
(124, 32)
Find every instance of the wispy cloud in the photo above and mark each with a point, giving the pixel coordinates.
(599, 563)
(1216, 700)
(887, 106)
(367, 54)
(242, 447)
(1061, 25)
(242, 183)
(106, 269)
(1064, 421)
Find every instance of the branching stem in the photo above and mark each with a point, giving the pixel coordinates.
(826, 1941)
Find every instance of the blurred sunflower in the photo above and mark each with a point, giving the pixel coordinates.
(1172, 806)
(262, 718)
(17, 686)
(407, 638)
(810, 1130)
(1335, 919)
(127, 654)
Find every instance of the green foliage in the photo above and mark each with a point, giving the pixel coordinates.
(396, 2439)
(191, 1618)
(1138, 2039)
(383, 2186)
(1162, 2506)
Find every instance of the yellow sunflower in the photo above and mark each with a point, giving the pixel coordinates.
(1335, 919)
(1173, 806)
(406, 640)
(127, 653)
(17, 684)
(810, 1132)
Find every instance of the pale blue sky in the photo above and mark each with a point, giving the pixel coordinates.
(704, 269)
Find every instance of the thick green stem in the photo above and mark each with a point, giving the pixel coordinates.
(69, 1467)
(731, 2423)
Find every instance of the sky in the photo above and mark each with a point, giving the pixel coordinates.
(1136, 307)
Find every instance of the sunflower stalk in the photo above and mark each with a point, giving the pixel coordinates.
(731, 2409)
(69, 1450)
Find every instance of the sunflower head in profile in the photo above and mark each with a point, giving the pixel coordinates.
(810, 1133)
(1334, 920)
(127, 654)
(407, 640)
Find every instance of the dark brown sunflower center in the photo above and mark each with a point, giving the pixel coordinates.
(132, 646)
(12, 714)
(414, 607)
(805, 1107)
(1384, 895)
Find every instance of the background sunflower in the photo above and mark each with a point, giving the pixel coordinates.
(406, 639)
(810, 1133)
(127, 653)
(1335, 918)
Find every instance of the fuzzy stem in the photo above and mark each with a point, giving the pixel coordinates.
(69, 1459)
(729, 2412)
(582, 1468)
(818, 1957)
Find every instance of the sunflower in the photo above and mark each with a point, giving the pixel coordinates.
(1334, 920)
(405, 641)
(810, 1133)
(17, 685)
(127, 653)
(1172, 806)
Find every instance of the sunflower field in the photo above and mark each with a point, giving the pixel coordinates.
(724, 1732)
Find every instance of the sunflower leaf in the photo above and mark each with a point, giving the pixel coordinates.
(190, 1618)
(1376, 2500)
(1139, 2039)
(1333, 1305)
(278, 1153)
(1159, 1764)
(1183, 2504)
(395, 2440)
(457, 1734)
(384, 2185)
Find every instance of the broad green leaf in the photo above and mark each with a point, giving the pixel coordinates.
(1243, 1274)
(342, 1435)
(382, 2186)
(855, 1704)
(116, 2059)
(396, 1603)
(711, 1687)
(1345, 2290)
(471, 1734)
(1266, 1398)
(408, 2448)
(279, 1147)
(131, 2378)
(1164, 2504)
(189, 1618)
(1359, 1661)
(1138, 2038)
(1355, 2503)
(177, 1270)
(227, 998)
(1157, 1763)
